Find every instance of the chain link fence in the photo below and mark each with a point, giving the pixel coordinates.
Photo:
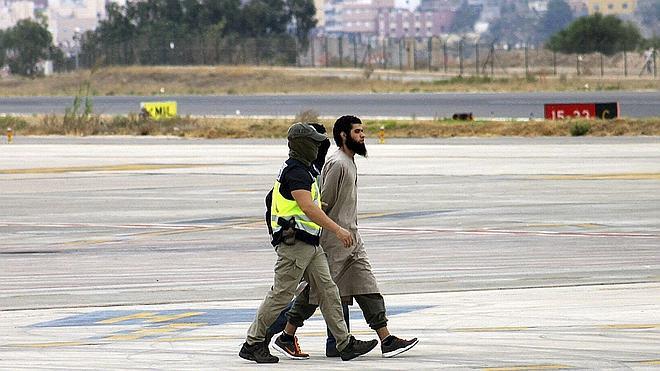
(453, 58)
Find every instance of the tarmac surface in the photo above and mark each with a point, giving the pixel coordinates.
(498, 254)
(526, 105)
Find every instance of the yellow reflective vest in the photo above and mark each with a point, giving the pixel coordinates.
(282, 210)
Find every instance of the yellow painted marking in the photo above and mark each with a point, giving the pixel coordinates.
(138, 334)
(110, 321)
(51, 344)
(198, 338)
(623, 176)
(490, 329)
(528, 367)
(127, 167)
(650, 362)
(632, 326)
(172, 317)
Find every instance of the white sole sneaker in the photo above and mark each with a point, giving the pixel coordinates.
(399, 351)
(285, 353)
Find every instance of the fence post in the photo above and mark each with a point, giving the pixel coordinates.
(577, 64)
(601, 65)
(444, 56)
(460, 58)
(492, 61)
(354, 52)
(367, 62)
(414, 53)
(325, 46)
(554, 62)
(476, 56)
(400, 55)
(655, 65)
(625, 63)
(341, 51)
(429, 51)
(385, 53)
(313, 54)
(526, 61)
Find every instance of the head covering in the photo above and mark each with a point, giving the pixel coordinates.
(302, 130)
(304, 142)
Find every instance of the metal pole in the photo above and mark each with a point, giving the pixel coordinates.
(325, 46)
(385, 53)
(476, 56)
(655, 65)
(460, 58)
(492, 61)
(554, 62)
(313, 56)
(354, 52)
(444, 56)
(414, 53)
(400, 55)
(625, 63)
(430, 51)
(577, 63)
(601, 65)
(526, 61)
(341, 51)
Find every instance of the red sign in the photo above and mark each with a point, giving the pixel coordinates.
(560, 111)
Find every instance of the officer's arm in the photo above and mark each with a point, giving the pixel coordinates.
(304, 200)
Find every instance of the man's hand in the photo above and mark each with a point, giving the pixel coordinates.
(304, 200)
(345, 237)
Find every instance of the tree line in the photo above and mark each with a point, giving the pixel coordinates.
(152, 31)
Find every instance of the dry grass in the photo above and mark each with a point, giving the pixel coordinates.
(139, 80)
(276, 128)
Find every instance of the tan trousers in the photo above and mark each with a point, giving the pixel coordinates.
(293, 263)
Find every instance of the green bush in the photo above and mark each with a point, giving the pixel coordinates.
(579, 129)
(15, 123)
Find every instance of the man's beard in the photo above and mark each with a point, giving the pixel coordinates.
(359, 148)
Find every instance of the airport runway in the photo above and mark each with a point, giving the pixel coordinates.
(429, 105)
(499, 254)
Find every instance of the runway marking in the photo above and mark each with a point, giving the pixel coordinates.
(127, 167)
(403, 230)
(640, 326)
(650, 362)
(490, 329)
(622, 176)
(163, 326)
(50, 344)
(529, 367)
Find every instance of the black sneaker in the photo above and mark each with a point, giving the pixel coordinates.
(331, 352)
(258, 352)
(291, 349)
(356, 348)
(397, 346)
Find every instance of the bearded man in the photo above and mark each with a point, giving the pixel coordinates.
(349, 267)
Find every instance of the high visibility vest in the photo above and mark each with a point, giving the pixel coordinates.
(306, 230)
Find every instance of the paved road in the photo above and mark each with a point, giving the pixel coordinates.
(517, 105)
(499, 254)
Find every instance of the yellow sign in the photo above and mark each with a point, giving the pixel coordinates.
(158, 110)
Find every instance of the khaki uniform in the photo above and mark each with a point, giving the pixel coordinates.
(293, 263)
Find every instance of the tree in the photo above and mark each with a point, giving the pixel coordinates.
(558, 16)
(596, 33)
(302, 13)
(465, 17)
(27, 43)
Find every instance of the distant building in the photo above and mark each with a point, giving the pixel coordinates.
(400, 23)
(607, 7)
(579, 7)
(13, 11)
(354, 16)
